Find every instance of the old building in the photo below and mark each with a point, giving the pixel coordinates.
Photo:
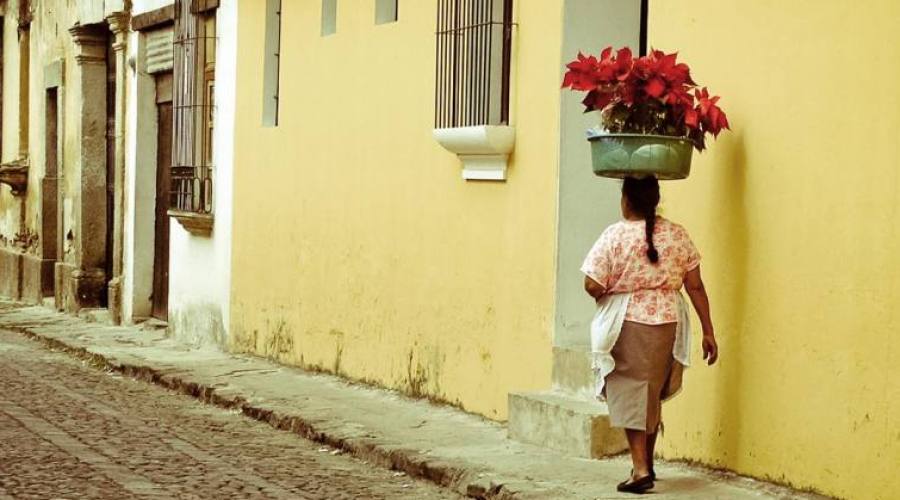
(178, 175)
(62, 150)
(116, 158)
(397, 192)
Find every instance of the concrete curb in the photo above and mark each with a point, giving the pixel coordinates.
(460, 477)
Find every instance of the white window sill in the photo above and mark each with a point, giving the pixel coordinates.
(484, 149)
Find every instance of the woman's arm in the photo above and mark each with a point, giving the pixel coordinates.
(594, 289)
(696, 290)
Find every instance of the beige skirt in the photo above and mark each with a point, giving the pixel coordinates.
(645, 375)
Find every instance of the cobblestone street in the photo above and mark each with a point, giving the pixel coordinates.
(71, 431)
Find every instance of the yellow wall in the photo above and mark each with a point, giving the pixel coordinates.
(358, 248)
(796, 212)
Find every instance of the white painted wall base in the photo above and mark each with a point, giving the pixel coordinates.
(200, 266)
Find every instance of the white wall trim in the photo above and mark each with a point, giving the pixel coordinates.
(484, 149)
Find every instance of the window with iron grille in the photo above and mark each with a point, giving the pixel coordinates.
(272, 63)
(474, 48)
(193, 106)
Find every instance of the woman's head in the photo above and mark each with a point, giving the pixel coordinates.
(640, 197)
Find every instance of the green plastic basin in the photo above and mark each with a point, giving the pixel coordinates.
(638, 155)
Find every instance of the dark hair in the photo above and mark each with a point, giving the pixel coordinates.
(643, 197)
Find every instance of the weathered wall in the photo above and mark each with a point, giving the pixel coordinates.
(358, 248)
(49, 43)
(796, 213)
(200, 267)
(17, 214)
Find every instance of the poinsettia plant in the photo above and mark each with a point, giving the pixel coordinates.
(653, 94)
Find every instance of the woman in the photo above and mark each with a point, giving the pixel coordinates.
(640, 335)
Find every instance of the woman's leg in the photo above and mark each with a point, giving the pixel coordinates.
(637, 443)
(651, 446)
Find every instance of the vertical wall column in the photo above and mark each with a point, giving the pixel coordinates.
(587, 203)
(85, 282)
(119, 24)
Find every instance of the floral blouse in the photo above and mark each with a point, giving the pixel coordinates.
(618, 261)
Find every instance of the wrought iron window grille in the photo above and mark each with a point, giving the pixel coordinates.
(193, 105)
(473, 55)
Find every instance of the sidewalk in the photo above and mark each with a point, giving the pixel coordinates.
(457, 450)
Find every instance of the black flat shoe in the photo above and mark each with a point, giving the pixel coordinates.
(637, 486)
(652, 473)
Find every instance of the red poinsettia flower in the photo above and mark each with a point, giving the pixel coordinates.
(582, 74)
(650, 94)
(597, 99)
(664, 77)
(711, 116)
(691, 118)
(623, 64)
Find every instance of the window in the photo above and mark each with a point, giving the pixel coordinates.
(193, 105)
(474, 47)
(272, 63)
(645, 14)
(385, 11)
(24, 79)
(329, 17)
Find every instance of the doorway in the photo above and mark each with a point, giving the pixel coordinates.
(51, 229)
(160, 297)
(110, 163)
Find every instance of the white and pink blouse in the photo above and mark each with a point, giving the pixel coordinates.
(638, 290)
(618, 261)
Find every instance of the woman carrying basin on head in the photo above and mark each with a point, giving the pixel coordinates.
(640, 335)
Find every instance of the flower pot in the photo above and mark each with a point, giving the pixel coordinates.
(639, 155)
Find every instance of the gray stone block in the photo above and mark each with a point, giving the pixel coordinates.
(10, 274)
(563, 422)
(37, 279)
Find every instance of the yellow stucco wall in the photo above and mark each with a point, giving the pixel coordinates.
(796, 214)
(358, 248)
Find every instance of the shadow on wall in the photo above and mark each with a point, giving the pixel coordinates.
(729, 218)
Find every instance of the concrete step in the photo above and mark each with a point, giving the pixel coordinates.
(565, 422)
(572, 370)
(95, 315)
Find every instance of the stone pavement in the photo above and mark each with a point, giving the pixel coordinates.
(462, 452)
(72, 431)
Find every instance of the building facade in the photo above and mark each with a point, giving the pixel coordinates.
(177, 251)
(116, 159)
(62, 113)
(795, 213)
(382, 236)
(397, 192)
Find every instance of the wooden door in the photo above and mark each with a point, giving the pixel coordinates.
(163, 183)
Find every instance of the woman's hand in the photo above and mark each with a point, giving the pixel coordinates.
(594, 289)
(710, 349)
